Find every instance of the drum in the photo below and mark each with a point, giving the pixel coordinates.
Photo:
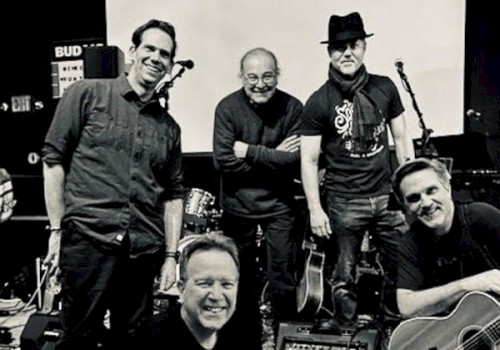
(197, 202)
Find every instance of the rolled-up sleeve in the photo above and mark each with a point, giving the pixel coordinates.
(64, 131)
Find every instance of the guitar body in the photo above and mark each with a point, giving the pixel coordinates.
(310, 289)
(473, 324)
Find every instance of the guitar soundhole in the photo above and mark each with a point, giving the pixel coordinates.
(474, 340)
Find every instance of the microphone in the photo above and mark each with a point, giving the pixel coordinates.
(186, 64)
(399, 64)
(473, 114)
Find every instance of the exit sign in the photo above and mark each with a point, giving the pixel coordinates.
(21, 103)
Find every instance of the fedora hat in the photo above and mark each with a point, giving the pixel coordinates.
(345, 28)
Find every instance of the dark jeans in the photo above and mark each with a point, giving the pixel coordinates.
(350, 219)
(95, 280)
(279, 246)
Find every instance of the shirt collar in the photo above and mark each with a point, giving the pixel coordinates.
(124, 86)
(129, 93)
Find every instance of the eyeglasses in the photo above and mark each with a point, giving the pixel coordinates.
(266, 78)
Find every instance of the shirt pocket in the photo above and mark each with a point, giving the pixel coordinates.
(98, 128)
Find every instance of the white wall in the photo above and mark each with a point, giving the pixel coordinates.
(427, 34)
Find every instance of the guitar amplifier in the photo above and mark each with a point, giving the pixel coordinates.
(298, 336)
(41, 332)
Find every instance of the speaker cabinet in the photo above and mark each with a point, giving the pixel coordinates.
(103, 62)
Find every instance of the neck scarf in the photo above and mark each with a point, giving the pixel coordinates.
(365, 114)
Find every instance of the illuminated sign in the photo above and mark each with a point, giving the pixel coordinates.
(67, 64)
(65, 73)
(21, 103)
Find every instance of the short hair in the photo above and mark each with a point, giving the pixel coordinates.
(415, 165)
(154, 23)
(259, 50)
(207, 242)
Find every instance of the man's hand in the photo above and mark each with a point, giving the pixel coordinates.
(54, 251)
(290, 144)
(240, 149)
(168, 274)
(320, 223)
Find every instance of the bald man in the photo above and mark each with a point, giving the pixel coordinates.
(256, 150)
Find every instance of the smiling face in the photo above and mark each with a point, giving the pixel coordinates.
(152, 59)
(428, 198)
(208, 293)
(347, 57)
(259, 76)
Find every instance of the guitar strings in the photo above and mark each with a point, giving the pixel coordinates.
(477, 338)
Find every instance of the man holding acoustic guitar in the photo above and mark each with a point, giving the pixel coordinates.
(451, 255)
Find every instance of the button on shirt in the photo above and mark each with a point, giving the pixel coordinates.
(122, 159)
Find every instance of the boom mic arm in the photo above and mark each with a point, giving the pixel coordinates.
(163, 90)
(426, 148)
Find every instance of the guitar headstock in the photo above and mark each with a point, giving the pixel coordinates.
(52, 288)
(308, 244)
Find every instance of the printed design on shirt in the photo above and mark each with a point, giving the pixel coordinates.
(343, 124)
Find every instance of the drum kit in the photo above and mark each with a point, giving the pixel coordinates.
(200, 213)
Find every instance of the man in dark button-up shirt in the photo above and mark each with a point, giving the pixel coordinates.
(113, 188)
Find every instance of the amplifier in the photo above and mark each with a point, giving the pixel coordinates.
(41, 332)
(302, 336)
(103, 62)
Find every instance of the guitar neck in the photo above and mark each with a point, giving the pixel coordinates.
(48, 302)
(52, 288)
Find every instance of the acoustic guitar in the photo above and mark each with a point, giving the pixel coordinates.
(310, 290)
(474, 324)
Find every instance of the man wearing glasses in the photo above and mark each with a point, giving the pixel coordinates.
(256, 151)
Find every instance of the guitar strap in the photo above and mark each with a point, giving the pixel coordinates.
(464, 211)
(470, 255)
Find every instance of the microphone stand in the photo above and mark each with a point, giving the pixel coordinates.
(163, 90)
(425, 147)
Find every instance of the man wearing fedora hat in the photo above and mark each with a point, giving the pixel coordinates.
(347, 119)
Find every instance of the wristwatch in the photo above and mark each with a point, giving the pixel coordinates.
(53, 229)
(174, 255)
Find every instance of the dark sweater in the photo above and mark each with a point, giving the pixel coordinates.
(261, 184)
